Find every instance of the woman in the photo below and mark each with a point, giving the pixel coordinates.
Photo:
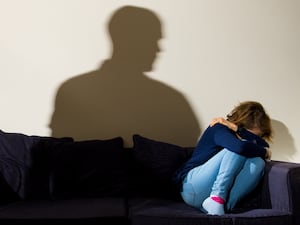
(228, 160)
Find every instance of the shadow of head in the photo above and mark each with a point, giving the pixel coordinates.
(283, 147)
(135, 32)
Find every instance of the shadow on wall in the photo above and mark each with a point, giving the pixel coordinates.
(118, 99)
(283, 147)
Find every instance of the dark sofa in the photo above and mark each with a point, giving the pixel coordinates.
(48, 180)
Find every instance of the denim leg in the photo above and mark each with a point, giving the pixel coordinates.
(246, 180)
(215, 177)
(198, 182)
(230, 166)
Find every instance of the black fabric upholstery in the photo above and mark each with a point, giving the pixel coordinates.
(67, 211)
(99, 182)
(19, 154)
(154, 165)
(88, 168)
(157, 211)
(284, 183)
(7, 195)
(165, 212)
(262, 216)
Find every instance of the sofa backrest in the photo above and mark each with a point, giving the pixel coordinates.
(151, 165)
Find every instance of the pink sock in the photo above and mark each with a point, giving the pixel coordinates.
(218, 199)
(214, 205)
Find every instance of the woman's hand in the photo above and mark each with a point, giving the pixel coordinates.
(225, 122)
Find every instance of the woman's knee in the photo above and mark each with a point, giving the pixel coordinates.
(227, 151)
(256, 165)
(232, 155)
(193, 197)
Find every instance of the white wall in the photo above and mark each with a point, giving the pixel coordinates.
(215, 53)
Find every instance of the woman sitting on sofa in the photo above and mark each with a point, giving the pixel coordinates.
(228, 161)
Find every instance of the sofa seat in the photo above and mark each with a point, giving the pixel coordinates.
(261, 216)
(66, 211)
(169, 212)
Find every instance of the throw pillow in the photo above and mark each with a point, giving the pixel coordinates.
(19, 156)
(91, 168)
(155, 164)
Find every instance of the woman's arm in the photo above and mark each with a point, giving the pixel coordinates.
(225, 138)
(241, 132)
(225, 122)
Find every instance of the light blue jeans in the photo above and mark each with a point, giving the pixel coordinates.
(227, 174)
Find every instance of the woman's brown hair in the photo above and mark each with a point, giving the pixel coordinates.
(251, 114)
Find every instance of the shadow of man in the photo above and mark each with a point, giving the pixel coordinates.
(118, 99)
(283, 147)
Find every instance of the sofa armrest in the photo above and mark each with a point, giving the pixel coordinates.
(284, 187)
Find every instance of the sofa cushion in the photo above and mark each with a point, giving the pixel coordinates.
(90, 168)
(66, 211)
(262, 216)
(20, 156)
(155, 162)
(7, 195)
(149, 211)
(164, 211)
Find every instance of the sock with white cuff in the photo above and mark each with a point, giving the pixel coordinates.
(214, 205)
